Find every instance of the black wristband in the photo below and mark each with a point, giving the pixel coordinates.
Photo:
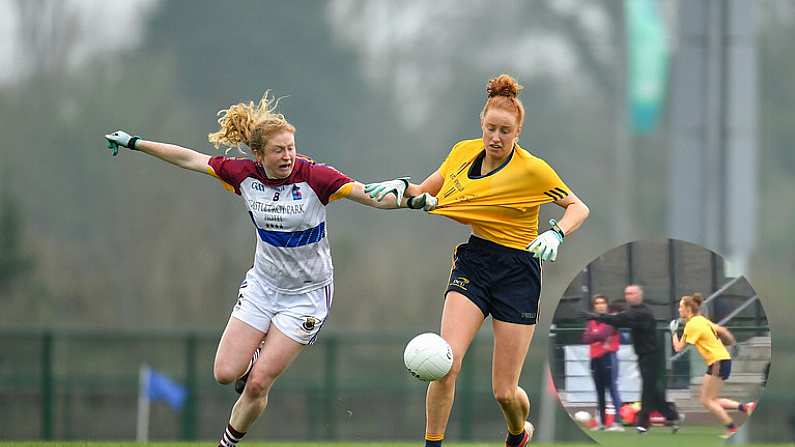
(557, 229)
(131, 143)
(409, 202)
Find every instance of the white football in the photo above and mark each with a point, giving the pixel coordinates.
(428, 357)
(582, 416)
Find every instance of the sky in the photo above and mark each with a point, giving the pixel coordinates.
(104, 25)
(413, 45)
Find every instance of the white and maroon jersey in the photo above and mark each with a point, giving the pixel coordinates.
(293, 253)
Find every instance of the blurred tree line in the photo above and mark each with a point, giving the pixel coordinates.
(89, 240)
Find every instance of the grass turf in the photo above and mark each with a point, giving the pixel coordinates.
(657, 437)
(614, 440)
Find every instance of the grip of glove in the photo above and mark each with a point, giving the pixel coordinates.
(673, 326)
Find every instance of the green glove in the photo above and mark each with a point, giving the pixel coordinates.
(120, 138)
(545, 246)
(380, 190)
(423, 201)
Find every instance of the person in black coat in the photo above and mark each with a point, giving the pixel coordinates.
(639, 318)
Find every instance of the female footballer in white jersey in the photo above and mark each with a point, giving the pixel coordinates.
(496, 187)
(286, 296)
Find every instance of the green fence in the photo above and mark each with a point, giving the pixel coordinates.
(70, 385)
(84, 385)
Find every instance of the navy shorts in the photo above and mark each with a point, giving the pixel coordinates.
(721, 368)
(502, 281)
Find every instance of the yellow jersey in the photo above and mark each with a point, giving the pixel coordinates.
(501, 206)
(699, 331)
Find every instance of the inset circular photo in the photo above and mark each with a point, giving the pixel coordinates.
(656, 338)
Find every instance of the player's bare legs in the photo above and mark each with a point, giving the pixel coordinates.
(511, 342)
(235, 349)
(709, 398)
(728, 404)
(461, 319)
(743, 407)
(278, 352)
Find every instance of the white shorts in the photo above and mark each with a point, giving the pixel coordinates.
(298, 316)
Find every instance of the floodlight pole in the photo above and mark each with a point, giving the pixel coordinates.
(713, 167)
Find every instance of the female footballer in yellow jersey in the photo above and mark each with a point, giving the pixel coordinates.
(495, 186)
(706, 336)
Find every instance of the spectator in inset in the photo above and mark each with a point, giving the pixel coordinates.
(603, 344)
(638, 317)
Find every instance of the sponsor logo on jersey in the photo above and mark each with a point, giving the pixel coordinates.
(457, 187)
(276, 208)
(296, 192)
(258, 186)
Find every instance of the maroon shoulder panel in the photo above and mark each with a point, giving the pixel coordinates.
(233, 170)
(325, 180)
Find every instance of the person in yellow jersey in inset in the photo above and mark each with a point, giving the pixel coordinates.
(497, 187)
(706, 336)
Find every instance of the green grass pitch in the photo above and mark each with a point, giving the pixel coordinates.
(657, 437)
(650, 441)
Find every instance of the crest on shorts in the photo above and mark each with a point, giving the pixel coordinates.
(309, 323)
(460, 282)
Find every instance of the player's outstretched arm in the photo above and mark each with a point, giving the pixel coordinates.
(402, 191)
(381, 190)
(359, 193)
(177, 155)
(431, 185)
(625, 319)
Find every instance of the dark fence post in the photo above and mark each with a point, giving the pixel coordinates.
(310, 395)
(189, 411)
(47, 392)
(330, 387)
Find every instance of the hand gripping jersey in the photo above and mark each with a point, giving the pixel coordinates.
(289, 215)
(501, 206)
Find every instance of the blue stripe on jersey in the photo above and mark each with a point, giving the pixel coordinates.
(289, 239)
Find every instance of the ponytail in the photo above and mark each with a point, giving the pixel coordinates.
(249, 124)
